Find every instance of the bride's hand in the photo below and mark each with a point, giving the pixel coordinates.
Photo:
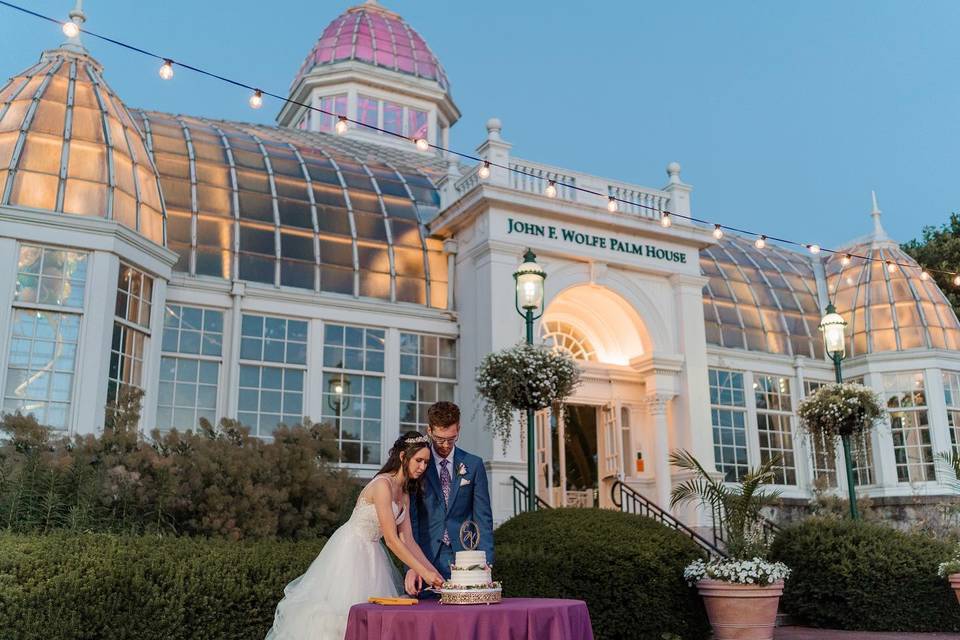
(434, 579)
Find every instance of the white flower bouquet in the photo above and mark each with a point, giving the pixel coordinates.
(753, 571)
(839, 409)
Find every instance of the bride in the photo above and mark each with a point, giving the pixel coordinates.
(352, 566)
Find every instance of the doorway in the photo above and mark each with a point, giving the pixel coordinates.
(569, 461)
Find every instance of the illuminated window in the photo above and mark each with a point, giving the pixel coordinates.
(564, 337)
(774, 416)
(393, 117)
(188, 385)
(131, 330)
(428, 372)
(331, 105)
(906, 401)
(951, 395)
(729, 418)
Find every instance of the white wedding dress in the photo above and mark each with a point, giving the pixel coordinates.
(350, 568)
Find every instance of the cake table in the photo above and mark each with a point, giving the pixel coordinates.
(511, 619)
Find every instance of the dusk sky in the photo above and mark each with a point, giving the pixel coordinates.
(783, 115)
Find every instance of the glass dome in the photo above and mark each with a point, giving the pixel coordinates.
(298, 209)
(889, 310)
(69, 145)
(370, 34)
(760, 299)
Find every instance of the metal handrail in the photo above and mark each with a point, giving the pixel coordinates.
(629, 500)
(520, 493)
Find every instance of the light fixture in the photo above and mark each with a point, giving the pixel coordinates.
(814, 248)
(717, 231)
(338, 393)
(924, 275)
(611, 204)
(422, 144)
(665, 220)
(833, 327)
(342, 125)
(484, 171)
(550, 190)
(529, 277)
(845, 260)
(71, 29)
(256, 100)
(956, 280)
(760, 242)
(166, 69)
(891, 267)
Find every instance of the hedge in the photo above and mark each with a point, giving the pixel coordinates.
(86, 587)
(865, 576)
(628, 569)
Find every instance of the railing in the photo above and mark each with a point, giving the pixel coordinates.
(533, 178)
(521, 495)
(768, 528)
(629, 500)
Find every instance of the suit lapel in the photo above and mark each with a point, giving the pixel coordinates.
(455, 477)
(433, 479)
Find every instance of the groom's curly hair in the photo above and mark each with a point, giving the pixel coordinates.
(443, 414)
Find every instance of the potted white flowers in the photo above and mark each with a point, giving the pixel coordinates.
(742, 592)
(951, 571)
(520, 378)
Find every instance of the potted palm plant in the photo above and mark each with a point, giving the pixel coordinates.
(951, 568)
(742, 591)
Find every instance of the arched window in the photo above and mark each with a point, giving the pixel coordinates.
(565, 337)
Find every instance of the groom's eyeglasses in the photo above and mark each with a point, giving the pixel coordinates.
(442, 441)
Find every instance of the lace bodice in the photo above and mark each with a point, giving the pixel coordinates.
(365, 522)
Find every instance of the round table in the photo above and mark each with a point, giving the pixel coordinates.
(512, 619)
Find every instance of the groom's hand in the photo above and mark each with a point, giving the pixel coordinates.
(412, 582)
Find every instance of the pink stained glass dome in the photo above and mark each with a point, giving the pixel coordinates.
(369, 33)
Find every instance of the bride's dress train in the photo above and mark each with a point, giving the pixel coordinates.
(350, 568)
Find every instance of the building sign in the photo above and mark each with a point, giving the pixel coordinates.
(617, 244)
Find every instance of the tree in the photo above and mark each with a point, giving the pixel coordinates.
(939, 248)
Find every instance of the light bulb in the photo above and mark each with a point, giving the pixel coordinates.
(814, 248)
(338, 388)
(71, 29)
(422, 144)
(891, 267)
(717, 231)
(256, 100)
(760, 242)
(924, 275)
(166, 70)
(665, 220)
(956, 280)
(550, 190)
(484, 171)
(529, 289)
(611, 204)
(342, 125)
(845, 260)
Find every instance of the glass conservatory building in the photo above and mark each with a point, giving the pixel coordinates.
(273, 273)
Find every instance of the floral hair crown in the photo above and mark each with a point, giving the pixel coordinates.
(417, 440)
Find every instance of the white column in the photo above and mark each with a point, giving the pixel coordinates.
(8, 281)
(496, 150)
(231, 354)
(801, 445)
(313, 381)
(96, 336)
(657, 409)
(450, 248)
(937, 418)
(390, 424)
(884, 463)
(151, 359)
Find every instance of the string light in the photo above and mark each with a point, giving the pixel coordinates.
(70, 29)
(814, 248)
(550, 190)
(665, 220)
(166, 69)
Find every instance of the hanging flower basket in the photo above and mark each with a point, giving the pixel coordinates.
(839, 409)
(520, 378)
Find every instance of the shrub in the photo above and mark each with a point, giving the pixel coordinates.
(216, 481)
(860, 575)
(66, 586)
(628, 568)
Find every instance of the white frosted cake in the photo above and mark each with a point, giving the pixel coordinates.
(470, 581)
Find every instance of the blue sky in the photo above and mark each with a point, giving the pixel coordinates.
(783, 115)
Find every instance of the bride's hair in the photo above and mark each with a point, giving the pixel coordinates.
(407, 444)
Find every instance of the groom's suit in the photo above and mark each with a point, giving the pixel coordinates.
(431, 515)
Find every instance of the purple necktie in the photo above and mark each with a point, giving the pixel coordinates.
(445, 487)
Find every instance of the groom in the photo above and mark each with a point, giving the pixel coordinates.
(455, 491)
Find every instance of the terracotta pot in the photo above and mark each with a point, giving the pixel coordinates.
(741, 611)
(954, 579)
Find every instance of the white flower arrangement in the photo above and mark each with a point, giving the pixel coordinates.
(951, 566)
(754, 571)
(523, 377)
(839, 409)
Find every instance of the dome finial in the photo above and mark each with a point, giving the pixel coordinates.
(878, 231)
(77, 17)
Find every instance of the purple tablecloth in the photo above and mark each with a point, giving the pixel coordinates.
(512, 619)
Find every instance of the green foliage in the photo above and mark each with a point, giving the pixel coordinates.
(628, 568)
(68, 586)
(738, 507)
(939, 249)
(217, 481)
(859, 575)
(839, 409)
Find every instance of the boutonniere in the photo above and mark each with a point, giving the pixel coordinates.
(462, 470)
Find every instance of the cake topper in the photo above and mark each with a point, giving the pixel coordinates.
(470, 535)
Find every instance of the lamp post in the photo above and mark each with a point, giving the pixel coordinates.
(833, 327)
(529, 278)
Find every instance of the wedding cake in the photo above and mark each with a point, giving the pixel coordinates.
(470, 581)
